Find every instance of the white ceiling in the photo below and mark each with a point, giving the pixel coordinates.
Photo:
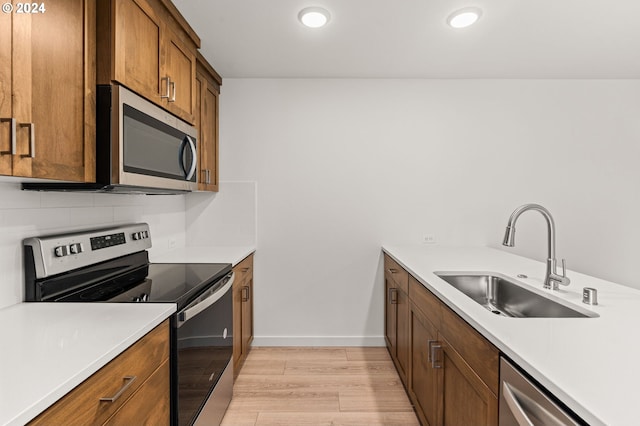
(410, 39)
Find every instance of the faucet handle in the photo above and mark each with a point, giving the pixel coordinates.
(564, 279)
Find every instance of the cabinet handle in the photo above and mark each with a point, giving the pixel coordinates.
(32, 140)
(434, 348)
(208, 172)
(393, 270)
(393, 296)
(245, 293)
(173, 86)
(168, 92)
(128, 382)
(12, 135)
(245, 269)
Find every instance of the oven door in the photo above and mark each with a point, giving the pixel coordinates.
(202, 371)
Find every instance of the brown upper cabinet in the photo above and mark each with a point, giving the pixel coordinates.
(147, 46)
(47, 91)
(208, 83)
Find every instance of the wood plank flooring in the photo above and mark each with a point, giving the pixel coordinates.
(319, 386)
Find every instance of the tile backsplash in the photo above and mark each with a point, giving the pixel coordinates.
(26, 214)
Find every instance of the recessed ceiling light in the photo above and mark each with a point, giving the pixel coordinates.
(464, 17)
(314, 17)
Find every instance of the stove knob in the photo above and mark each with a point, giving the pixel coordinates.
(136, 235)
(75, 248)
(135, 299)
(144, 297)
(61, 251)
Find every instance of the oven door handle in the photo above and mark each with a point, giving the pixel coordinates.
(203, 304)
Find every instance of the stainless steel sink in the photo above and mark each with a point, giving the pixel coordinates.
(505, 297)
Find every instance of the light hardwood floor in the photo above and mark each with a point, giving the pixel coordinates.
(319, 386)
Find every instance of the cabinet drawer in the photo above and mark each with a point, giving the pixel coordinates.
(425, 301)
(477, 351)
(150, 405)
(243, 269)
(396, 273)
(82, 406)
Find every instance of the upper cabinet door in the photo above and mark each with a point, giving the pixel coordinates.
(179, 71)
(148, 47)
(137, 45)
(7, 121)
(52, 91)
(207, 93)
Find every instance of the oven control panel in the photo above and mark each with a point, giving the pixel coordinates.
(55, 254)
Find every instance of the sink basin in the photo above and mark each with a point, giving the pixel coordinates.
(505, 297)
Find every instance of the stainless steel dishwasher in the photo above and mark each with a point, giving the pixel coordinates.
(523, 403)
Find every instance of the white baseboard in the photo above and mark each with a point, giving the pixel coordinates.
(318, 341)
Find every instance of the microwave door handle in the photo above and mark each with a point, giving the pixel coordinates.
(181, 156)
(194, 310)
(194, 160)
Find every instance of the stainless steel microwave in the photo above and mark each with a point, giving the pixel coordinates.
(147, 146)
(140, 148)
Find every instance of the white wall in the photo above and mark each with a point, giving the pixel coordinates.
(26, 214)
(343, 166)
(225, 218)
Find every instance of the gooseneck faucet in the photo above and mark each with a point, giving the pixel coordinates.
(552, 278)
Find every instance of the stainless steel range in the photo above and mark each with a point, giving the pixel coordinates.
(112, 265)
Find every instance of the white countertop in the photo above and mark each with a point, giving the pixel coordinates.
(50, 348)
(588, 363)
(216, 254)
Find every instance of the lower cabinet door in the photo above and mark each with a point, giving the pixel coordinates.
(150, 405)
(424, 377)
(390, 315)
(402, 335)
(467, 400)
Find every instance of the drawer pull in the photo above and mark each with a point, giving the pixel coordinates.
(245, 269)
(393, 296)
(245, 293)
(12, 135)
(173, 86)
(434, 349)
(128, 382)
(168, 86)
(32, 140)
(393, 270)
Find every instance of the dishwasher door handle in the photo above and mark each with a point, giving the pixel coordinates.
(514, 406)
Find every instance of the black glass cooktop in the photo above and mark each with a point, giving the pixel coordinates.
(175, 282)
(127, 281)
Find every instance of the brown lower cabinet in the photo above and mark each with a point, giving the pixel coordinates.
(135, 385)
(453, 371)
(397, 316)
(242, 312)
